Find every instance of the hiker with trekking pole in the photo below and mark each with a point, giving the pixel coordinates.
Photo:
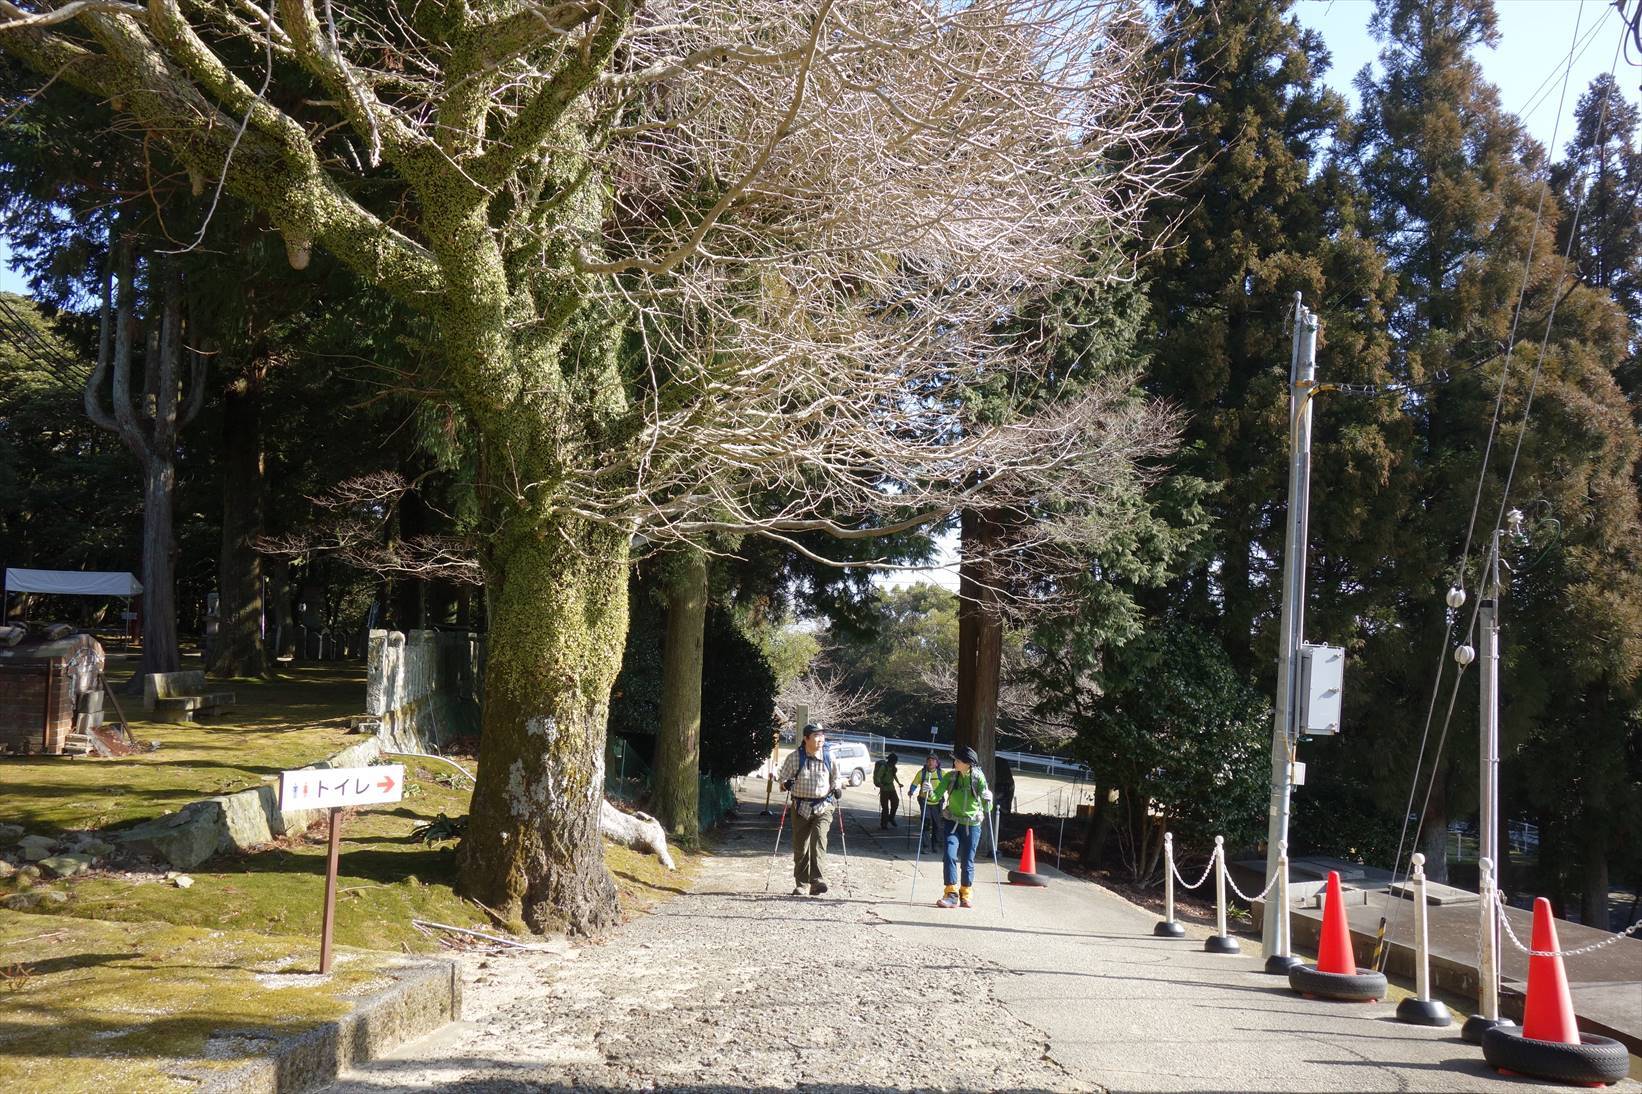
(964, 800)
(810, 778)
(920, 787)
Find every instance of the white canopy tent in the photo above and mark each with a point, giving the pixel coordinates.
(68, 583)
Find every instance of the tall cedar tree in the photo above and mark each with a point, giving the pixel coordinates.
(1269, 214)
(1453, 185)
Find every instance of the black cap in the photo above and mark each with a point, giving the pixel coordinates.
(893, 758)
(813, 727)
(968, 756)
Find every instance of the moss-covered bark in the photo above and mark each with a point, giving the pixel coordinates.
(558, 620)
(676, 797)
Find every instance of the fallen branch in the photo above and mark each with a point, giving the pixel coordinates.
(639, 831)
(496, 938)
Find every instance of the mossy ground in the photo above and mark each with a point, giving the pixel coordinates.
(88, 1006)
(128, 981)
(292, 721)
(386, 877)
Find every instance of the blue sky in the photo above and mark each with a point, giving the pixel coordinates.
(1527, 65)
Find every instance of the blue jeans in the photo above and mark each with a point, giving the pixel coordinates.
(960, 846)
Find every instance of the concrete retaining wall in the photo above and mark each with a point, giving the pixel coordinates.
(423, 687)
(229, 822)
(423, 995)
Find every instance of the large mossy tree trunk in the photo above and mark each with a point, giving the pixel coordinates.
(239, 649)
(557, 626)
(676, 797)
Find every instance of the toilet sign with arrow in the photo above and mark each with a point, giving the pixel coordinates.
(331, 789)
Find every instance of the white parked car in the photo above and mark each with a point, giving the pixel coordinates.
(853, 759)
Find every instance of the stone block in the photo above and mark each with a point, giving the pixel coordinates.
(249, 816)
(10, 834)
(34, 899)
(1440, 895)
(185, 838)
(35, 848)
(67, 865)
(96, 848)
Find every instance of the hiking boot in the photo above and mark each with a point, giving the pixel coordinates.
(963, 902)
(950, 900)
(817, 888)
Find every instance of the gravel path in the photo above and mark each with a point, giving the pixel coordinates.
(728, 988)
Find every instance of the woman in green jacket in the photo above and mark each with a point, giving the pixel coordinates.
(965, 800)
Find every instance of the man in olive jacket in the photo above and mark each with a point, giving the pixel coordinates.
(810, 775)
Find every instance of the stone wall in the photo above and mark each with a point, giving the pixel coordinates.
(233, 822)
(423, 687)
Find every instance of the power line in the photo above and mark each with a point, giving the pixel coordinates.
(1482, 474)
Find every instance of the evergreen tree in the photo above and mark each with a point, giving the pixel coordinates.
(1456, 193)
(1268, 215)
(1270, 211)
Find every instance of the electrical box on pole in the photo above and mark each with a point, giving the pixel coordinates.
(1322, 674)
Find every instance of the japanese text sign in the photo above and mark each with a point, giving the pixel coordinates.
(321, 788)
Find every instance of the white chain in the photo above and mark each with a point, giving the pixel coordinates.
(1207, 870)
(1251, 899)
(1517, 942)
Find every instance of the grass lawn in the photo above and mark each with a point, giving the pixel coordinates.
(293, 721)
(386, 878)
(101, 1007)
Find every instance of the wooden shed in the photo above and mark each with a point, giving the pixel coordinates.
(51, 694)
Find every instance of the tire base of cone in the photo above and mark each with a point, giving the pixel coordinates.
(1279, 964)
(1018, 878)
(1168, 928)
(1476, 1025)
(1221, 943)
(1362, 986)
(1423, 1012)
(1595, 1060)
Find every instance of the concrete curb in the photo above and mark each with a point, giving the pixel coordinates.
(425, 995)
(237, 821)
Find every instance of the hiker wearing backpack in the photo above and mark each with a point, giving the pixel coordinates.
(886, 777)
(921, 786)
(965, 800)
(810, 775)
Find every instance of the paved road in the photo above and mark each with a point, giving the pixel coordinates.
(726, 988)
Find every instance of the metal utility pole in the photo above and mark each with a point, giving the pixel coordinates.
(1488, 1015)
(1302, 381)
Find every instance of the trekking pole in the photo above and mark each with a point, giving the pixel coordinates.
(844, 842)
(923, 813)
(777, 848)
(997, 871)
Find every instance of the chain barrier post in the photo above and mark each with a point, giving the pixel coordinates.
(1421, 1010)
(1220, 941)
(1487, 1016)
(1280, 962)
(1168, 928)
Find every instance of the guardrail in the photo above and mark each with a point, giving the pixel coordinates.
(914, 750)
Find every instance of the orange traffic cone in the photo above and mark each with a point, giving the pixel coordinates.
(1336, 975)
(1549, 1044)
(1028, 873)
(1548, 1012)
(1334, 947)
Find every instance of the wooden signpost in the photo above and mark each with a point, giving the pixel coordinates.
(332, 789)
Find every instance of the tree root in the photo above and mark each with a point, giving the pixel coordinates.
(639, 831)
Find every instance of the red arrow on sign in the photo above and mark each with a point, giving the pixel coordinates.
(386, 783)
